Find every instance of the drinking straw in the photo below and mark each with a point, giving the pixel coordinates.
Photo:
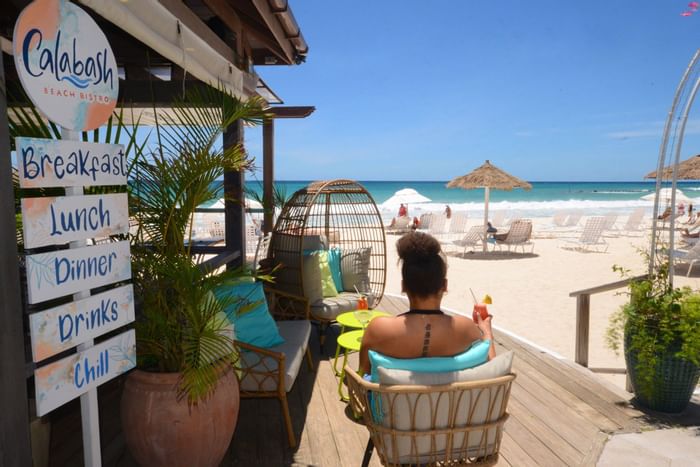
(473, 296)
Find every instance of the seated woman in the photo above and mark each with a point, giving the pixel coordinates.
(424, 330)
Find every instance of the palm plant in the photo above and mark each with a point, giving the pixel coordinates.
(180, 328)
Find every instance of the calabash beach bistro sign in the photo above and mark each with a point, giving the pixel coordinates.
(68, 70)
(65, 64)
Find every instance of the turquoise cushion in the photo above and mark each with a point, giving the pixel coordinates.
(475, 355)
(254, 326)
(334, 263)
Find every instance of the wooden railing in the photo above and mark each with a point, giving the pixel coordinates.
(583, 319)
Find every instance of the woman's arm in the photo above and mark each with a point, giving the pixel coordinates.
(485, 326)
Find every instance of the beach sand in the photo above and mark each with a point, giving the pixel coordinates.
(531, 292)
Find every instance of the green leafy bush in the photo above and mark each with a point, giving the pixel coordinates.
(658, 319)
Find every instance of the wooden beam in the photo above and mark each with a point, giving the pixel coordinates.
(291, 111)
(234, 213)
(235, 23)
(14, 426)
(268, 173)
(275, 28)
(192, 21)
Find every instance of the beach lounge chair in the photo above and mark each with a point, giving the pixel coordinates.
(591, 237)
(609, 229)
(519, 235)
(689, 257)
(424, 221)
(473, 238)
(438, 223)
(634, 222)
(559, 218)
(400, 225)
(573, 219)
(498, 219)
(411, 423)
(458, 224)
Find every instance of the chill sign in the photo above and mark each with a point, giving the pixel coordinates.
(65, 64)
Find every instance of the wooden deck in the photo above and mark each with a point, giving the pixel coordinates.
(561, 414)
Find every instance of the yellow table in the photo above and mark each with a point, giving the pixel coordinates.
(350, 340)
(348, 320)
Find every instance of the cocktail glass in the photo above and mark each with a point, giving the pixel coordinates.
(363, 317)
(480, 309)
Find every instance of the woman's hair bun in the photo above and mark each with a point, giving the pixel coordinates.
(423, 266)
(417, 246)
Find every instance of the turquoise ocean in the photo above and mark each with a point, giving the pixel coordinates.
(545, 198)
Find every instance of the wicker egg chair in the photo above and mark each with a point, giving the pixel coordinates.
(336, 214)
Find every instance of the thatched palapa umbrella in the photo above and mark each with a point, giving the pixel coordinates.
(488, 176)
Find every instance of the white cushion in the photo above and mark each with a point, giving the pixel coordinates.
(354, 267)
(296, 339)
(499, 366)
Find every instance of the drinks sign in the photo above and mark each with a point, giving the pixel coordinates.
(65, 64)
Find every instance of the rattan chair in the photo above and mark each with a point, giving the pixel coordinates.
(271, 373)
(327, 214)
(458, 423)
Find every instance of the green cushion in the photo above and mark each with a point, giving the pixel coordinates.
(254, 326)
(318, 280)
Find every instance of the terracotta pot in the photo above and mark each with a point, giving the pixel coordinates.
(161, 430)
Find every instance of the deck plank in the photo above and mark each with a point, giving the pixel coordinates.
(577, 384)
(552, 404)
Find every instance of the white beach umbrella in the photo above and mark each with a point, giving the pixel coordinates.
(249, 204)
(488, 176)
(405, 196)
(665, 195)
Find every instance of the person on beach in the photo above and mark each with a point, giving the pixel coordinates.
(424, 330)
(403, 210)
(448, 211)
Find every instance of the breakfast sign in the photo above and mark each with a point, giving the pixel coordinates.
(68, 70)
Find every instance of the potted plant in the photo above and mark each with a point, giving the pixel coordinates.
(180, 405)
(660, 329)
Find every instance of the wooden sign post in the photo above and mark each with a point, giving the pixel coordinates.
(79, 97)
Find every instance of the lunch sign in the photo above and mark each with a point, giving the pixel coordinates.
(67, 68)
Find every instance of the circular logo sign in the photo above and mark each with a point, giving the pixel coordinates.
(66, 64)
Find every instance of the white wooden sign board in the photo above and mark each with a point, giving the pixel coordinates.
(64, 272)
(61, 163)
(66, 326)
(64, 219)
(68, 378)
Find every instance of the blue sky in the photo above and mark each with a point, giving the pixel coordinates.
(416, 90)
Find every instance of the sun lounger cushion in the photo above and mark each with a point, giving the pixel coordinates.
(329, 308)
(354, 265)
(254, 326)
(296, 337)
(334, 263)
(499, 366)
(473, 356)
